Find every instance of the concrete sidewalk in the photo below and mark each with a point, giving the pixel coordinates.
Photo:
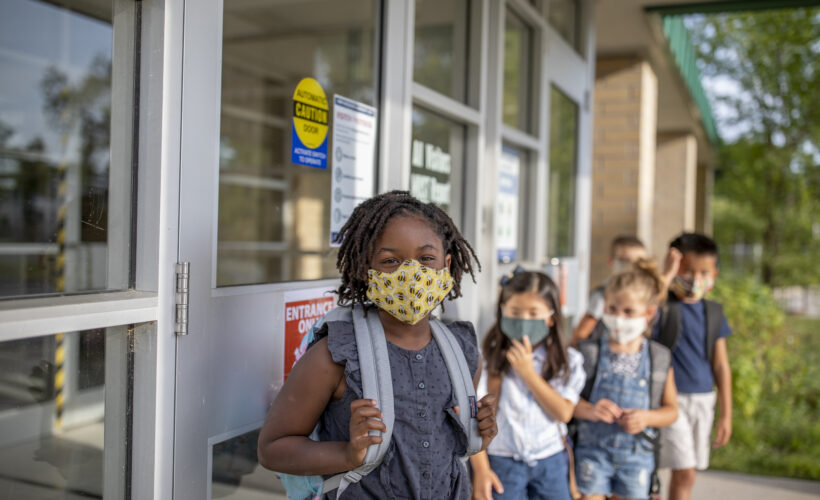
(733, 486)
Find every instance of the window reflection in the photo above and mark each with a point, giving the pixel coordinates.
(563, 16)
(563, 173)
(274, 216)
(52, 415)
(236, 473)
(55, 108)
(441, 46)
(437, 157)
(518, 41)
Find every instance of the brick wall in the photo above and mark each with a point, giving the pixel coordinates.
(675, 185)
(625, 118)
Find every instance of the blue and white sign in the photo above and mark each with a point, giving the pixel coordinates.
(354, 151)
(506, 207)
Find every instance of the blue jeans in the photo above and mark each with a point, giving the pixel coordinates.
(607, 471)
(547, 480)
(608, 460)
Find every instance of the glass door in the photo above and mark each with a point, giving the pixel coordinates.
(569, 144)
(262, 162)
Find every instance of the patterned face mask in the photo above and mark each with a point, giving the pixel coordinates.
(410, 292)
(693, 289)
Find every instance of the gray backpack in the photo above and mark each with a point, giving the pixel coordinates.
(377, 384)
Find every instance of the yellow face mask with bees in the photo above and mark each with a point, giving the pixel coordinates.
(410, 292)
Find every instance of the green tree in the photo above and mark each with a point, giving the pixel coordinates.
(768, 182)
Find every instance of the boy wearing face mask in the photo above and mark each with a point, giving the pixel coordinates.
(695, 329)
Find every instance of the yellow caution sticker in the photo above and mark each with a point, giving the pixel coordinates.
(310, 124)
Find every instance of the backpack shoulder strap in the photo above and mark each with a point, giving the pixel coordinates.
(462, 381)
(660, 357)
(714, 320)
(597, 331)
(671, 323)
(590, 349)
(377, 384)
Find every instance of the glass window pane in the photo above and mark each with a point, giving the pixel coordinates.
(518, 41)
(274, 216)
(437, 157)
(563, 16)
(440, 51)
(512, 200)
(55, 139)
(563, 172)
(236, 472)
(53, 414)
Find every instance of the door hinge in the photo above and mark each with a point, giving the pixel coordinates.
(181, 301)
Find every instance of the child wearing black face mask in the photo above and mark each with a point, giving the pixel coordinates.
(538, 381)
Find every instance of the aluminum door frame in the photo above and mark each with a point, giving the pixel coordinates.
(230, 365)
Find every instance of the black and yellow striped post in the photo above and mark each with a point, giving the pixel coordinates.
(59, 274)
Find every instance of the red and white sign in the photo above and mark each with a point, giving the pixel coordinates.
(300, 314)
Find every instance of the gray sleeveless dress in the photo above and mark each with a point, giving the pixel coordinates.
(422, 461)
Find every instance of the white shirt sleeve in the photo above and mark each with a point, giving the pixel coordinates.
(596, 304)
(574, 384)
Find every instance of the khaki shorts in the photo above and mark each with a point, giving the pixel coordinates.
(685, 444)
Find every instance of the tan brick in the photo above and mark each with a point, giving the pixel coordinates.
(612, 93)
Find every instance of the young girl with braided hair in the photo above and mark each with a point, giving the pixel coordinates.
(390, 242)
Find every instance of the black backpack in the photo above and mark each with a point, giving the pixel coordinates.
(671, 324)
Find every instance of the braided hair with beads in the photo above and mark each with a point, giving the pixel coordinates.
(367, 222)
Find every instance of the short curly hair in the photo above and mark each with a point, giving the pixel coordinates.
(367, 222)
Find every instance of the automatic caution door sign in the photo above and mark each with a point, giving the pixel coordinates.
(310, 115)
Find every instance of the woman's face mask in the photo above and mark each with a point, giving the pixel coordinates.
(410, 292)
(623, 329)
(517, 328)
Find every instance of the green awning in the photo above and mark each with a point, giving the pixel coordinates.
(680, 44)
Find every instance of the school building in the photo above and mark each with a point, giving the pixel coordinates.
(172, 173)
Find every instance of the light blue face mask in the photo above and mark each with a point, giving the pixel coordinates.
(516, 328)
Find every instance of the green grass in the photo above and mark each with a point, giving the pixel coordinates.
(782, 436)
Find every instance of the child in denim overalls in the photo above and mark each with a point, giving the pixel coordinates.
(617, 422)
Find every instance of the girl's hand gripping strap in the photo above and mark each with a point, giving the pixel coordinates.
(377, 384)
(462, 382)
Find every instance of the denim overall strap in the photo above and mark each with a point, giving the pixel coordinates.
(603, 366)
(625, 391)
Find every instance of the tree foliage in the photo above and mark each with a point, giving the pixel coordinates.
(775, 364)
(768, 181)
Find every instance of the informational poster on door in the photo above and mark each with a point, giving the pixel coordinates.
(506, 208)
(302, 309)
(310, 113)
(354, 149)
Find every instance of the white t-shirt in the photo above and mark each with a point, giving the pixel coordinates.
(525, 431)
